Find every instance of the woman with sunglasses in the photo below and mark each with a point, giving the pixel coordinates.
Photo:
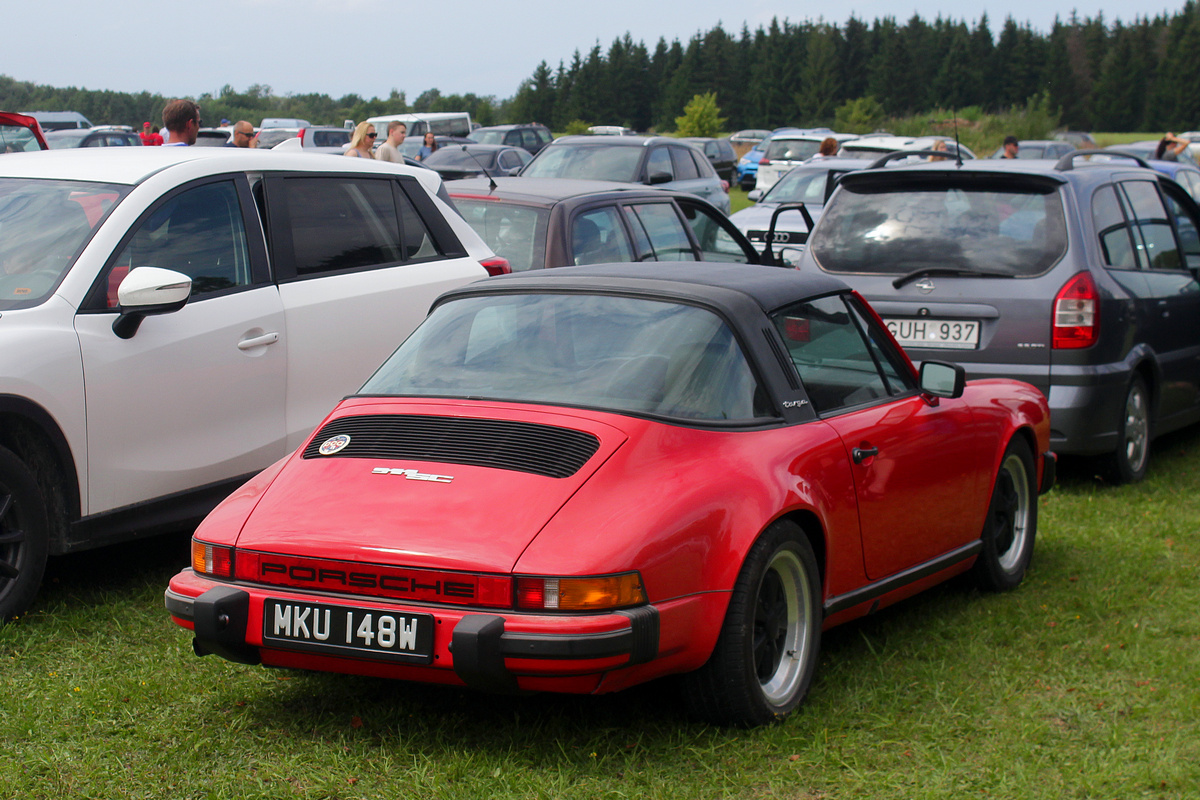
(363, 141)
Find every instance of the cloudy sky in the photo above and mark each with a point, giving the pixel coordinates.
(369, 47)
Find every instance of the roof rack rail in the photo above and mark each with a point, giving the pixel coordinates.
(1067, 162)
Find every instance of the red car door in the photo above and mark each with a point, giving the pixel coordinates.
(918, 467)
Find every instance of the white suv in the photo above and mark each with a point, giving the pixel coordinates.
(173, 320)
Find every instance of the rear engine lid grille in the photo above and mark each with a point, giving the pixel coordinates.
(519, 446)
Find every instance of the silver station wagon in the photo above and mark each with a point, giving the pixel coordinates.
(1078, 278)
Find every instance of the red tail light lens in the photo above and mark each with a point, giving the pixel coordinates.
(301, 134)
(1076, 321)
(725, 185)
(497, 266)
(212, 559)
(764, 161)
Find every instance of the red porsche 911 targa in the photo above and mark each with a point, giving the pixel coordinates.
(580, 480)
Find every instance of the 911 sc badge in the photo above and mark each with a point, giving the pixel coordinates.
(412, 475)
(334, 444)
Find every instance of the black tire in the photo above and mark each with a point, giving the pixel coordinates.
(24, 543)
(766, 654)
(1128, 464)
(1011, 525)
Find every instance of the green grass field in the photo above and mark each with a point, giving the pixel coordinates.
(1083, 683)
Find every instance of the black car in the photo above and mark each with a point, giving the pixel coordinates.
(557, 222)
(91, 137)
(457, 161)
(1078, 277)
(719, 153)
(531, 136)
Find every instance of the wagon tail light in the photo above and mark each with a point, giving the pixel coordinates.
(496, 266)
(212, 559)
(599, 593)
(1076, 314)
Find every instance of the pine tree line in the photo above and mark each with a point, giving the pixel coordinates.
(1099, 76)
(1114, 77)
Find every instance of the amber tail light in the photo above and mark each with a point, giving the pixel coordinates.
(596, 593)
(212, 559)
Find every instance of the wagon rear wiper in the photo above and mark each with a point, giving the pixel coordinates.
(948, 271)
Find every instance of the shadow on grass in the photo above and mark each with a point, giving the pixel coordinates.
(117, 569)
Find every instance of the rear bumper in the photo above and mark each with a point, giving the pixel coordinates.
(492, 652)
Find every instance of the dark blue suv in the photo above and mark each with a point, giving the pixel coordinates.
(1077, 277)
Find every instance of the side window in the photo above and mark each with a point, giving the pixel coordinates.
(513, 138)
(341, 223)
(1189, 236)
(659, 161)
(838, 365)
(418, 243)
(1116, 241)
(685, 166)
(667, 237)
(1154, 236)
(716, 243)
(598, 238)
(198, 232)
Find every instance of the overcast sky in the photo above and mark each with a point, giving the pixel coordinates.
(369, 47)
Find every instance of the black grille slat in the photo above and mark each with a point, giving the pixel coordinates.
(519, 446)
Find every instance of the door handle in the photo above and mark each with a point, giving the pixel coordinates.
(258, 341)
(861, 454)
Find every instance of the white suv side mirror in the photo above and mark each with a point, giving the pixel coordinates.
(146, 291)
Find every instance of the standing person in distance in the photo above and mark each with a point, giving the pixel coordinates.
(1169, 147)
(428, 147)
(362, 141)
(390, 149)
(181, 119)
(243, 134)
(1011, 146)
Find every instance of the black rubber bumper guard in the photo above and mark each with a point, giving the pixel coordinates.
(479, 643)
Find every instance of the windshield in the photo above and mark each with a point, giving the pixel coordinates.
(487, 137)
(801, 185)
(515, 232)
(590, 162)
(792, 149)
(600, 351)
(896, 227)
(457, 156)
(43, 226)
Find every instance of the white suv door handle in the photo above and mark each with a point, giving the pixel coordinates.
(258, 341)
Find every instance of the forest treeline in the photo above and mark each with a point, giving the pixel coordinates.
(1097, 75)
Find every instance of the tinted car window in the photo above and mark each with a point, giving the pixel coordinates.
(1116, 242)
(1153, 234)
(1189, 237)
(798, 186)
(513, 232)
(609, 352)
(598, 238)
(341, 223)
(889, 229)
(667, 236)
(659, 162)
(198, 232)
(685, 166)
(330, 138)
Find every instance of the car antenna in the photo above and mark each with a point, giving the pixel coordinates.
(957, 146)
(491, 181)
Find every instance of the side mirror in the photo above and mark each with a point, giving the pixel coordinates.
(146, 291)
(943, 379)
(659, 177)
(754, 195)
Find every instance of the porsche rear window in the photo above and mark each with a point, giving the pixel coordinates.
(895, 227)
(600, 351)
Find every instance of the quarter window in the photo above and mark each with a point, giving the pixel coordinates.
(659, 161)
(1116, 241)
(685, 166)
(1153, 235)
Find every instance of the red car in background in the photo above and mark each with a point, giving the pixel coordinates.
(583, 479)
(20, 133)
